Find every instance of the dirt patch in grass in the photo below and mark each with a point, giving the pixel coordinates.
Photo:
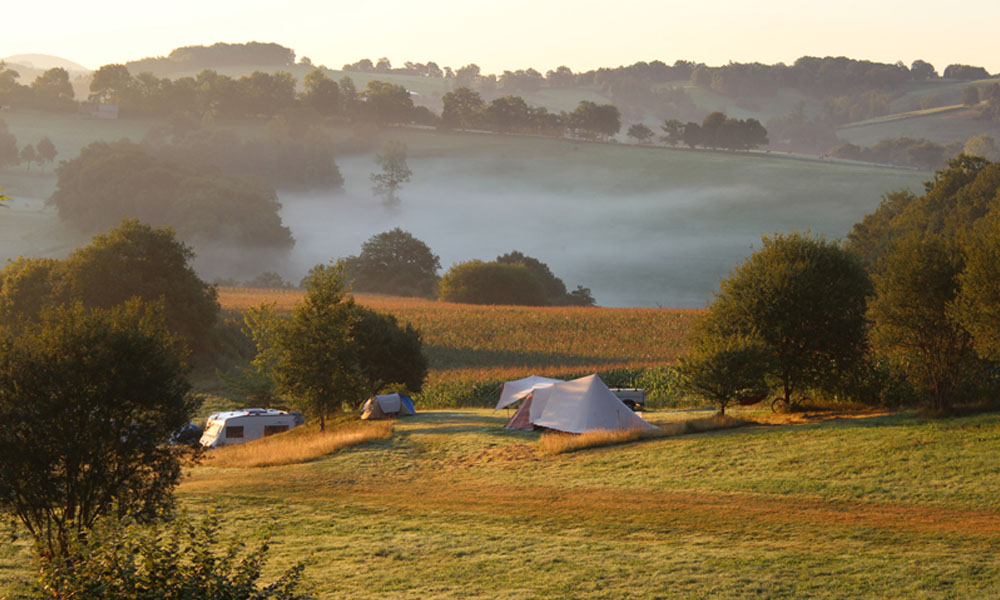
(657, 510)
(498, 456)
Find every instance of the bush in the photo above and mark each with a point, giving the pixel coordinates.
(178, 560)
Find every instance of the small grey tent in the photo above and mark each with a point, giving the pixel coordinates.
(387, 406)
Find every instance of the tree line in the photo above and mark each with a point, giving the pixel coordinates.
(397, 263)
(43, 152)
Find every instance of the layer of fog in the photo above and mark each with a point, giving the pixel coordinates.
(631, 246)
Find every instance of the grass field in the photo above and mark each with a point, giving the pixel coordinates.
(453, 506)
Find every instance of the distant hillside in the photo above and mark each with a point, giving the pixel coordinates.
(44, 62)
(196, 58)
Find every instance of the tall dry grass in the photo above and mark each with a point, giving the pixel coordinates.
(296, 446)
(559, 443)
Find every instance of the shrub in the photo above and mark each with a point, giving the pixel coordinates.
(178, 560)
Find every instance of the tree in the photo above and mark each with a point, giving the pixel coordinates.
(982, 145)
(53, 91)
(692, 134)
(46, 150)
(674, 130)
(89, 399)
(804, 299)
(135, 260)
(977, 306)
(394, 262)
(462, 108)
(640, 133)
(386, 103)
(321, 93)
(26, 287)
(911, 314)
(28, 155)
(395, 172)
(478, 282)
(9, 154)
(724, 370)
(970, 95)
(389, 354)
(269, 280)
(111, 84)
(551, 287)
(508, 114)
(592, 119)
(311, 357)
(921, 70)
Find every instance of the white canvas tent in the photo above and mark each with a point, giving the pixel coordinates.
(513, 391)
(577, 406)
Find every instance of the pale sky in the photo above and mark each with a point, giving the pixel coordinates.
(512, 34)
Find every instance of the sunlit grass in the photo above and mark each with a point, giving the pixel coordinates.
(559, 443)
(299, 445)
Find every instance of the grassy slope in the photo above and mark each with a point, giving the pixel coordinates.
(452, 506)
(942, 127)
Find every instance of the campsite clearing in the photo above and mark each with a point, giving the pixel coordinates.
(453, 506)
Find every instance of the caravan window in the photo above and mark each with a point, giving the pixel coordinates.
(273, 429)
(234, 432)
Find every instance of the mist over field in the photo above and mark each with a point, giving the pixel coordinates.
(653, 233)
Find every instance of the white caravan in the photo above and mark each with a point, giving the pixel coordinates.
(247, 425)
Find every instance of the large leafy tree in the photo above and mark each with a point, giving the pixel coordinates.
(321, 93)
(462, 108)
(312, 357)
(912, 317)
(53, 90)
(89, 399)
(394, 262)
(551, 287)
(137, 260)
(804, 299)
(389, 354)
(478, 282)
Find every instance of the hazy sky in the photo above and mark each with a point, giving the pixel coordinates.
(581, 34)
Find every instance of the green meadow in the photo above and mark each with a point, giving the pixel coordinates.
(453, 506)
